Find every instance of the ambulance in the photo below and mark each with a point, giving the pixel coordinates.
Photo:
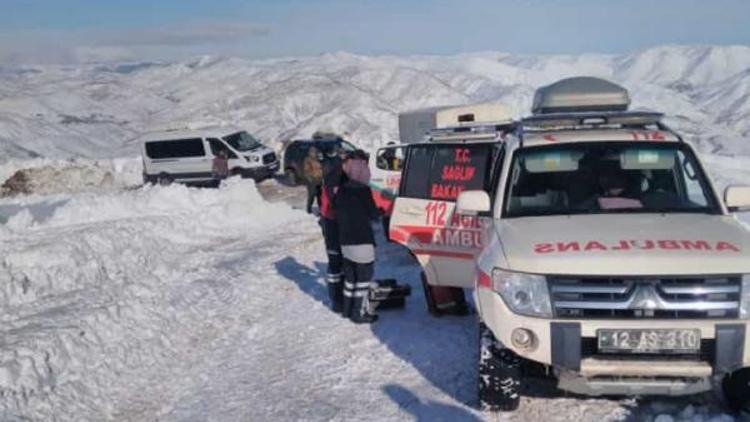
(425, 125)
(599, 252)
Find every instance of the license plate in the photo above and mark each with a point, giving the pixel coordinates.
(649, 341)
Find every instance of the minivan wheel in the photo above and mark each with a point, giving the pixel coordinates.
(164, 179)
(499, 381)
(736, 390)
(291, 177)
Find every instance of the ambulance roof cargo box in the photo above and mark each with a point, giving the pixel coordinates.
(474, 114)
(580, 94)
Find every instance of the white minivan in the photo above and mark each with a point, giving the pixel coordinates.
(187, 155)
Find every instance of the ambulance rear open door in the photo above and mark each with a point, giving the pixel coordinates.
(386, 176)
(424, 219)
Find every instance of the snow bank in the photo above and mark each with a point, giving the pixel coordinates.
(103, 286)
(236, 203)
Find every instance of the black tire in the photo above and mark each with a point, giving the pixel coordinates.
(386, 220)
(291, 177)
(736, 390)
(164, 179)
(431, 305)
(499, 381)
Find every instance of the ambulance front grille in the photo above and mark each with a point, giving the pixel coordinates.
(664, 298)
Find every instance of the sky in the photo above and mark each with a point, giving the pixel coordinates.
(75, 31)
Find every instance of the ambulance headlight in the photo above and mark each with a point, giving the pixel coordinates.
(745, 302)
(525, 294)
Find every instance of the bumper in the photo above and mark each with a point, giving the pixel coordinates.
(566, 346)
(261, 172)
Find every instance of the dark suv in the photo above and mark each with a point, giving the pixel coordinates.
(295, 153)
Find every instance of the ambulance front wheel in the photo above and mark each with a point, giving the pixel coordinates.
(736, 390)
(499, 381)
(386, 221)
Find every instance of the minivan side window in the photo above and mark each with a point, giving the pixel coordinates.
(216, 146)
(442, 172)
(178, 148)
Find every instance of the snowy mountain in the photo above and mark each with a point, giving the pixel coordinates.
(99, 110)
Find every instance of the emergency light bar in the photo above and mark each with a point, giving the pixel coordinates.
(562, 121)
(476, 131)
(580, 94)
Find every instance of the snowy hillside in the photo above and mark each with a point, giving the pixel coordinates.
(98, 110)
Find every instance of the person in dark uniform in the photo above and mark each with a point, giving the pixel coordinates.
(332, 172)
(355, 209)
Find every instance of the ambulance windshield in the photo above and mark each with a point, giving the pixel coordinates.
(597, 178)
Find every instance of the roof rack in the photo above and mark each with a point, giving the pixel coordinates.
(590, 119)
(594, 120)
(484, 127)
(471, 131)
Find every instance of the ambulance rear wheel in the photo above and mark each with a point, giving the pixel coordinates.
(736, 389)
(499, 381)
(386, 220)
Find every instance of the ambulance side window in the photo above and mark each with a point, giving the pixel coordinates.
(415, 180)
(442, 172)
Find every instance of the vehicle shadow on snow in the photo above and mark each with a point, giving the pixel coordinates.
(425, 410)
(442, 350)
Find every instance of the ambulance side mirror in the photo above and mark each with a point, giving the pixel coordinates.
(473, 202)
(737, 198)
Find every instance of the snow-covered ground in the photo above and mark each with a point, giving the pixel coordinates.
(176, 303)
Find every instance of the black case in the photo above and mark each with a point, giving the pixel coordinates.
(389, 294)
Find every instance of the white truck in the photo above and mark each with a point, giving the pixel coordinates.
(185, 155)
(597, 247)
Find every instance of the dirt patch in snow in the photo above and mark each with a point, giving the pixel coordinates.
(71, 177)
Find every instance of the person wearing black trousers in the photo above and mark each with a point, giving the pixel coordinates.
(355, 209)
(334, 279)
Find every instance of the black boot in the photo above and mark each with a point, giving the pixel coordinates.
(334, 275)
(335, 291)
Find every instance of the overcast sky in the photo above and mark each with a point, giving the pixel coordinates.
(71, 31)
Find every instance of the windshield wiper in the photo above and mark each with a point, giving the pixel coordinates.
(665, 210)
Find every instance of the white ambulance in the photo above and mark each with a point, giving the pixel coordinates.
(597, 247)
(186, 155)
